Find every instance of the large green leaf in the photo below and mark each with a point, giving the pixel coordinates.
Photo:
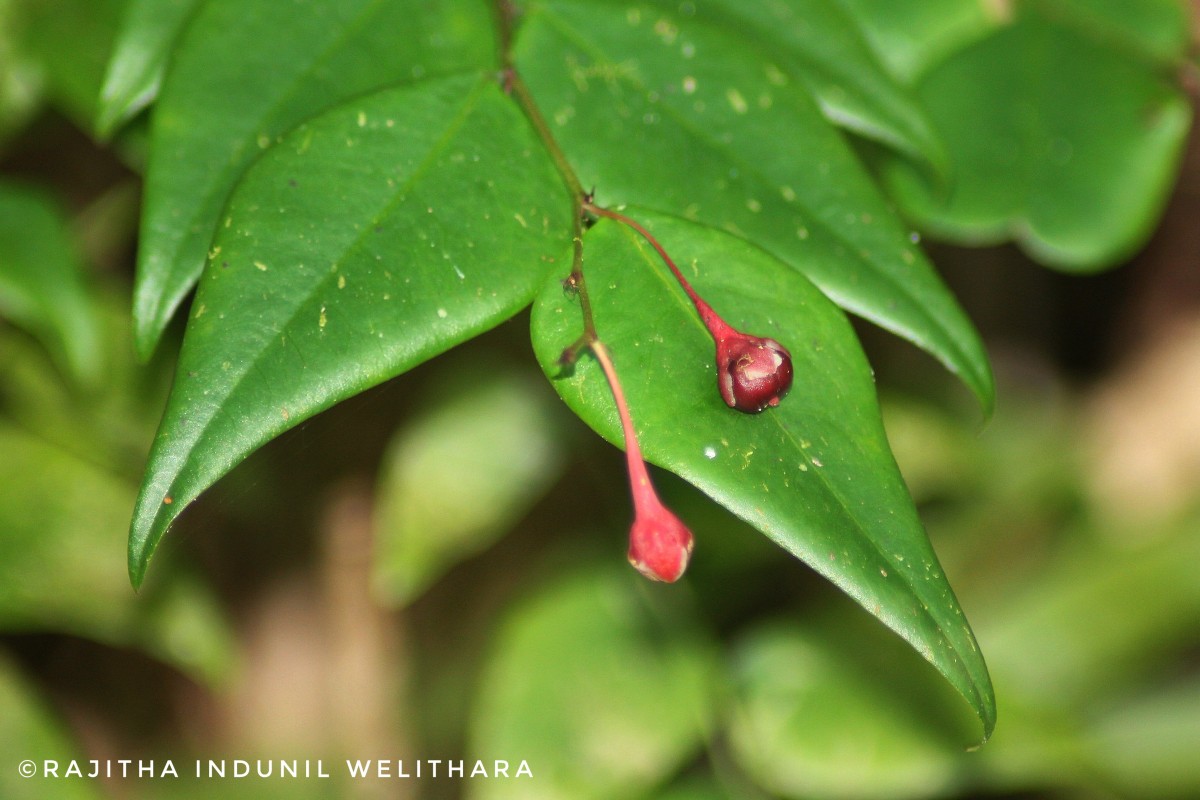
(246, 71)
(1159, 29)
(148, 30)
(588, 685)
(368, 240)
(686, 116)
(823, 45)
(814, 474)
(42, 286)
(1058, 140)
(908, 37)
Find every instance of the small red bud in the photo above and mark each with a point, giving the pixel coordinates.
(753, 373)
(659, 544)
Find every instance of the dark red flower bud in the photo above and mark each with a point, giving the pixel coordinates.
(659, 543)
(753, 373)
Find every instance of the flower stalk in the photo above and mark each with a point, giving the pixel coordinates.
(753, 372)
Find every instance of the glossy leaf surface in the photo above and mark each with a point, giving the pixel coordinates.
(823, 45)
(211, 121)
(1058, 141)
(147, 32)
(687, 117)
(815, 474)
(369, 240)
(909, 37)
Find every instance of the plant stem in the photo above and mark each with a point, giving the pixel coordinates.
(515, 85)
(639, 478)
(716, 326)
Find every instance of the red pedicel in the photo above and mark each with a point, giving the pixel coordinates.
(753, 373)
(659, 543)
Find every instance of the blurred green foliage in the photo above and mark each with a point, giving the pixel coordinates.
(496, 523)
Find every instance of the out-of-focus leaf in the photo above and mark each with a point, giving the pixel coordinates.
(1157, 28)
(809, 723)
(457, 477)
(70, 41)
(690, 117)
(148, 30)
(246, 71)
(819, 42)
(1040, 641)
(1147, 746)
(815, 474)
(112, 423)
(910, 36)
(369, 240)
(42, 287)
(29, 731)
(61, 522)
(20, 79)
(1057, 140)
(695, 790)
(602, 699)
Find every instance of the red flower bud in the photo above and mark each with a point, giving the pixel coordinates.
(659, 543)
(752, 372)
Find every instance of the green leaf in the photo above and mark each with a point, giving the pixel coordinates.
(149, 29)
(369, 240)
(458, 476)
(20, 78)
(909, 37)
(815, 474)
(60, 518)
(1054, 662)
(42, 286)
(1159, 29)
(71, 41)
(809, 722)
(30, 730)
(596, 693)
(1058, 141)
(686, 117)
(823, 45)
(1147, 746)
(245, 72)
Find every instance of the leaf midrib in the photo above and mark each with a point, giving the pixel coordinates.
(247, 366)
(897, 568)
